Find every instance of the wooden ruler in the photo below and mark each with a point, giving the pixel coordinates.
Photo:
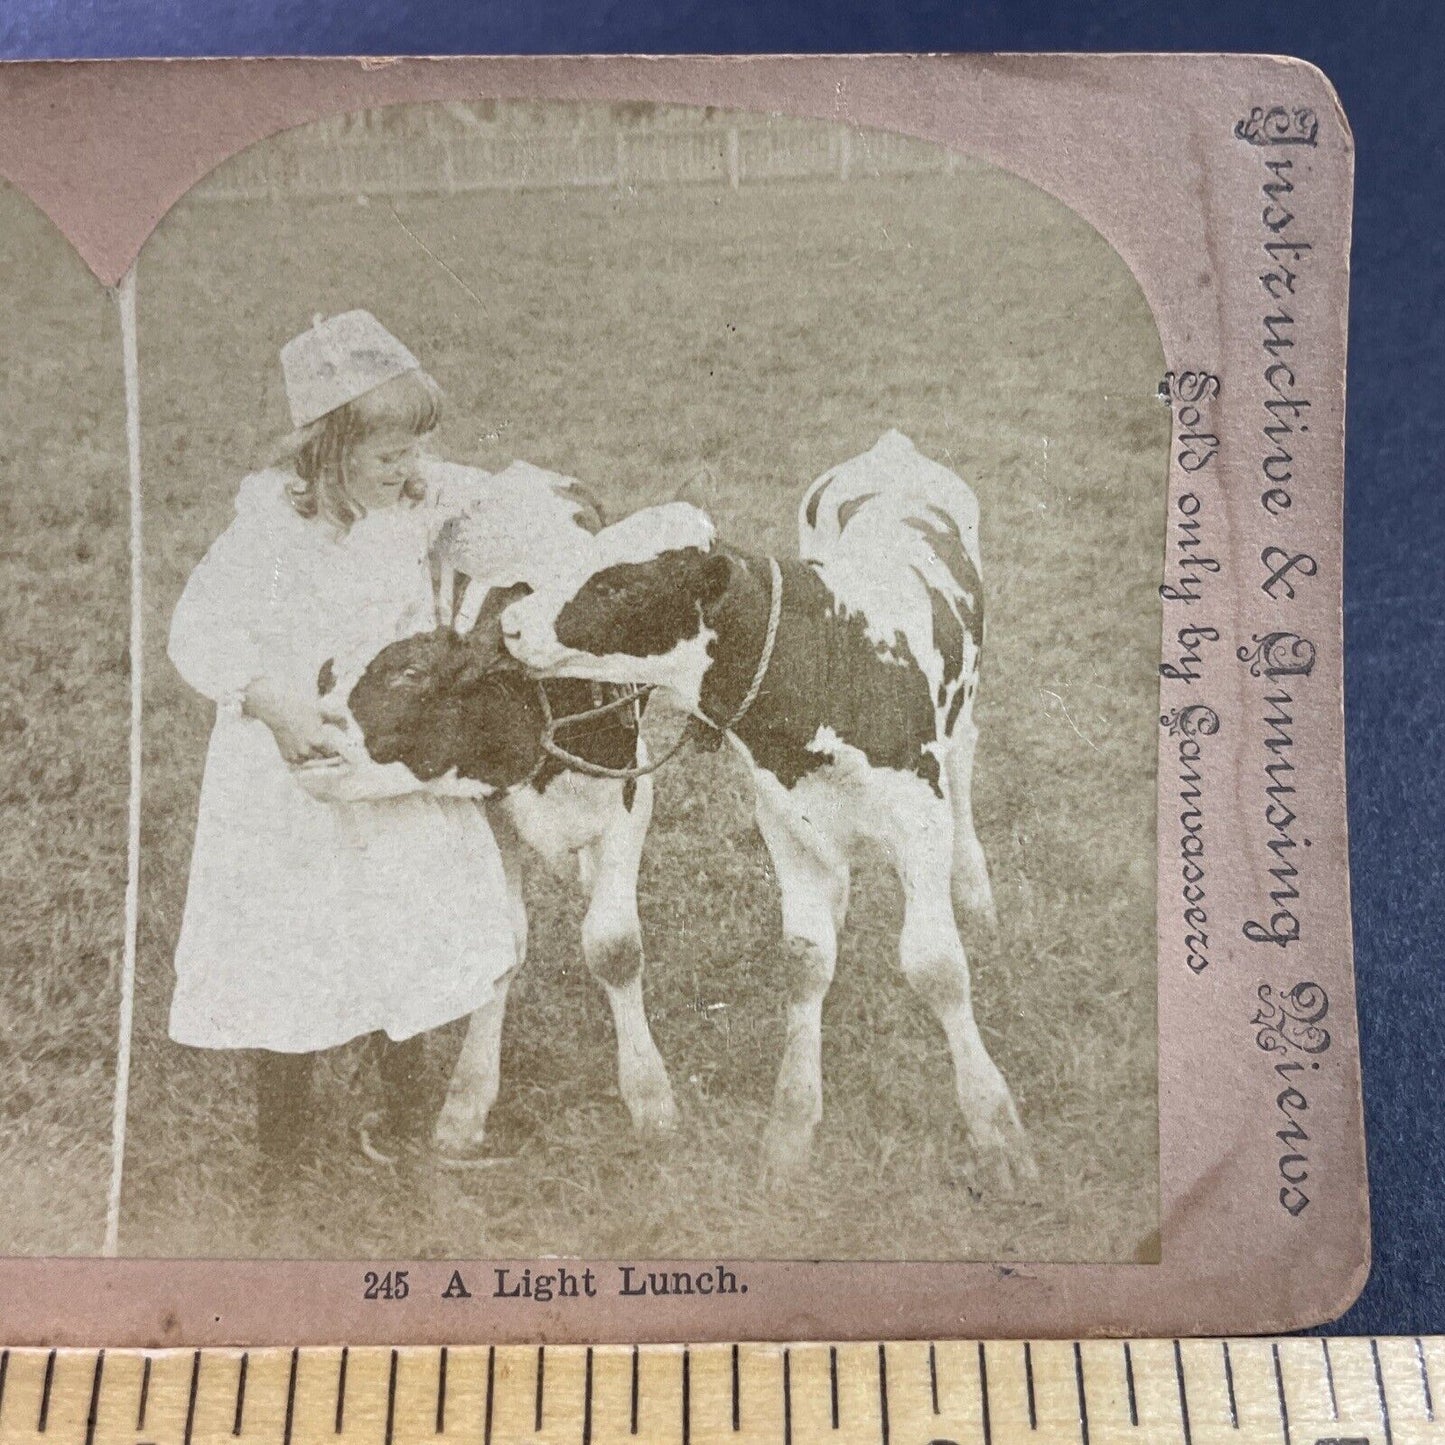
(1295, 1391)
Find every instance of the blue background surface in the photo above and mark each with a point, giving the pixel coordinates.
(1386, 60)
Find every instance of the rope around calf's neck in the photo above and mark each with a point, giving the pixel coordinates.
(765, 658)
(552, 748)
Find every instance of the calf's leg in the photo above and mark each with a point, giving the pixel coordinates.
(972, 891)
(612, 946)
(813, 878)
(934, 962)
(461, 1126)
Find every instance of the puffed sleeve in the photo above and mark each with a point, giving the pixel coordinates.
(224, 611)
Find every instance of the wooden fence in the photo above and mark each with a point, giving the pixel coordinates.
(305, 163)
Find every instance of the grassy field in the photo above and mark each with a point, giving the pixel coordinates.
(64, 685)
(726, 347)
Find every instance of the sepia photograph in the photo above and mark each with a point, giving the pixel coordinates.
(64, 685)
(650, 701)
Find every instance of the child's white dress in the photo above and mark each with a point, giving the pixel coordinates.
(309, 923)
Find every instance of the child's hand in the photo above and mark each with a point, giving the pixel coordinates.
(301, 731)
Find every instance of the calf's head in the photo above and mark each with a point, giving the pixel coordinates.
(443, 701)
(637, 609)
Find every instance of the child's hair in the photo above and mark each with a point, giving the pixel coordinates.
(318, 454)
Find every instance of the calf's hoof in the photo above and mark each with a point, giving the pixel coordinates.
(1001, 1147)
(461, 1131)
(786, 1154)
(652, 1108)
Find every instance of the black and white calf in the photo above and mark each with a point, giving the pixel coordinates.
(448, 711)
(862, 727)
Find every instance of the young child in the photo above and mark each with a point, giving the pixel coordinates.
(308, 924)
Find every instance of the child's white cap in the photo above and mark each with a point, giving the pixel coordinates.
(339, 359)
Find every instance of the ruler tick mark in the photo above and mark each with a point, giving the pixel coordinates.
(1029, 1382)
(191, 1401)
(883, 1393)
(587, 1401)
(1330, 1378)
(1129, 1384)
(341, 1388)
(636, 1370)
(1183, 1393)
(541, 1385)
(442, 1392)
(45, 1393)
(833, 1383)
(391, 1399)
(1424, 1380)
(787, 1398)
(491, 1382)
(933, 1377)
(1380, 1390)
(290, 1398)
(238, 1419)
(686, 1397)
(145, 1393)
(1229, 1386)
(4, 1370)
(985, 1419)
(1083, 1397)
(737, 1403)
(1279, 1392)
(93, 1412)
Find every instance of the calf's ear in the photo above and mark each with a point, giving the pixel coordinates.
(485, 649)
(717, 577)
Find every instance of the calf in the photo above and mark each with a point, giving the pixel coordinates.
(847, 680)
(447, 710)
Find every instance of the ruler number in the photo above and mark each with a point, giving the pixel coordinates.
(1343, 1440)
(391, 1285)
